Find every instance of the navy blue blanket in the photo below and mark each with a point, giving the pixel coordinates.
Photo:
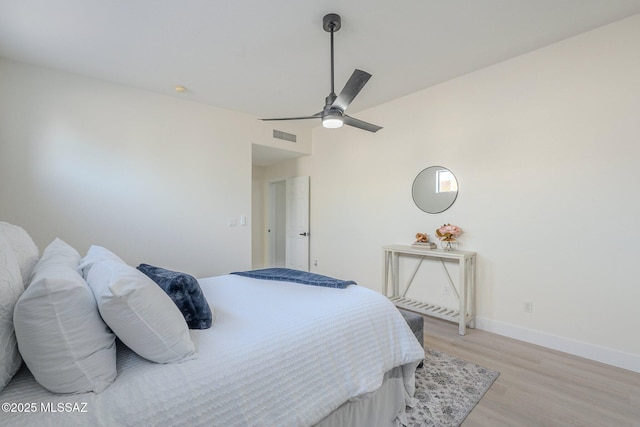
(289, 275)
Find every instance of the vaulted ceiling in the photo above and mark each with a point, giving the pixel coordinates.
(271, 58)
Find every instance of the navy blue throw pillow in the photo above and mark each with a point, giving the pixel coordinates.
(185, 292)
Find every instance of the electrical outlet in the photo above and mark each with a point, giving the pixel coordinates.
(445, 291)
(528, 306)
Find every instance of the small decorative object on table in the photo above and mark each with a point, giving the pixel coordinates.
(447, 235)
(422, 241)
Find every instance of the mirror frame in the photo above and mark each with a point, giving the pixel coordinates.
(419, 186)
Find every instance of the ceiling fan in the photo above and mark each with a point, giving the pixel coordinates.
(332, 114)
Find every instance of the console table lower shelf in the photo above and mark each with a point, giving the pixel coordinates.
(428, 309)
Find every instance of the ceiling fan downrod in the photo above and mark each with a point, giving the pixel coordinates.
(331, 23)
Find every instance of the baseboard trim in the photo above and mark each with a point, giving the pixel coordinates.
(577, 348)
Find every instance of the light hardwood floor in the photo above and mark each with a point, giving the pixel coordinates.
(538, 386)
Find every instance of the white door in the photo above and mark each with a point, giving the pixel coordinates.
(276, 231)
(297, 223)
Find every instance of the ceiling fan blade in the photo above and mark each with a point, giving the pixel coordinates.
(354, 85)
(348, 120)
(315, 116)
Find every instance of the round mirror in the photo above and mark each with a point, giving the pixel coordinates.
(435, 189)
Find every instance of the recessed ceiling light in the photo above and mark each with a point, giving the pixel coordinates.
(181, 89)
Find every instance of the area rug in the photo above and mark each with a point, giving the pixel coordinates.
(447, 389)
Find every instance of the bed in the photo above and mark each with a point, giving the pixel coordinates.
(277, 353)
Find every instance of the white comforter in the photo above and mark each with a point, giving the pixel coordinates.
(278, 354)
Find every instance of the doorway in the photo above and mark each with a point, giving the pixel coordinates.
(276, 232)
(288, 223)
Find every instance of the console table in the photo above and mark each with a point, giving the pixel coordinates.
(465, 292)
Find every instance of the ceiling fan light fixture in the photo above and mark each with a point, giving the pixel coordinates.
(332, 121)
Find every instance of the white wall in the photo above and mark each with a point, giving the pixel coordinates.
(151, 177)
(545, 148)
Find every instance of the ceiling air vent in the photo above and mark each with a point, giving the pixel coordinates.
(284, 136)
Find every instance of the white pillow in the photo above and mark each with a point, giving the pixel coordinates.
(96, 253)
(138, 311)
(25, 251)
(58, 252)
(10, 289)
(61, 336)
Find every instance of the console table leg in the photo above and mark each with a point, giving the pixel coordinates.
(462, 280)
(471, 277)
(395, 273)
(385, 278)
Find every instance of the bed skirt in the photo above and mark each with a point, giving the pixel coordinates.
(381, 408)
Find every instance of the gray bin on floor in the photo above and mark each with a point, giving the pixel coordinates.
(416, 323)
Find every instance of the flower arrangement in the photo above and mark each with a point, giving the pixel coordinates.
(448, 233)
